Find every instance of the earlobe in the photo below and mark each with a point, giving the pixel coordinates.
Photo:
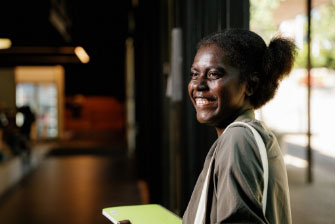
(252, 85)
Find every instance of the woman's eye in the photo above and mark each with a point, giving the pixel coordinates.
(214, 75)
(194, 75)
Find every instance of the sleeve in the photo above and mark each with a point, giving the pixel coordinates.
(238, 178)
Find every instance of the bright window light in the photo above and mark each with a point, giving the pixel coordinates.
(82, 55)
(295, 161)
(5, 43)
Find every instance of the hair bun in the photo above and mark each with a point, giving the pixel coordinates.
(279, 57)
(278, 61)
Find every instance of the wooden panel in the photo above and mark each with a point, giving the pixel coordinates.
(93, 113)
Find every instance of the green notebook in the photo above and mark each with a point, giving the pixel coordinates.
(141, 214)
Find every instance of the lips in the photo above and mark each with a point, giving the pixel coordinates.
(201, 101)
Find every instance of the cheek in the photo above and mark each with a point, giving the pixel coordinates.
(218, 88)
(226, 91)
(236, 94)
(239, 90)
(190, 89)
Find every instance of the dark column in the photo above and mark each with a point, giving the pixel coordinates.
(148, 96)
(309, 67)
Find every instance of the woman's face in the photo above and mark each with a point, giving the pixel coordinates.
(215, 88)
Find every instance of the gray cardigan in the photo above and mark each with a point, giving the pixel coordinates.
(236, 185)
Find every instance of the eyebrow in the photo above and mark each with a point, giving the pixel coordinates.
(219, 67)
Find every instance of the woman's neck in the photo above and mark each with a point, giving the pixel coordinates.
(221, 128)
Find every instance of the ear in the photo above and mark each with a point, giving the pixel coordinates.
(252, 84)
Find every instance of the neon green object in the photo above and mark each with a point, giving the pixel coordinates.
(141, 214)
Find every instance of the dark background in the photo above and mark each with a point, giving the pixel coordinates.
(170, 144)
(101, 27)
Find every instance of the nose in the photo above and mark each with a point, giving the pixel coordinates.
(201, 84)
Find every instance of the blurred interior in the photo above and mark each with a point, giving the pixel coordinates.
(94, 111)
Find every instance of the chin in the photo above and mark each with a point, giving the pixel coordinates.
(215, 120)
(205, 121)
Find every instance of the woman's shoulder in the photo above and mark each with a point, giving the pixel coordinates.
(238, 140)
(238, 131)
(237, 148)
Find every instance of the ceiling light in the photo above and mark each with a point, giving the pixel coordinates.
(82, 55)
(5, 43)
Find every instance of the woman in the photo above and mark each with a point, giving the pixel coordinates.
(234, 73)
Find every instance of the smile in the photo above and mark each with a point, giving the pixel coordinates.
(202, 101)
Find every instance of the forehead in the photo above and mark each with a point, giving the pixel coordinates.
(209, 53)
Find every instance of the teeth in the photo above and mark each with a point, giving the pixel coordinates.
(201, 101)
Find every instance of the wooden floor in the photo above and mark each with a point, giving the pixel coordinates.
(71, 188)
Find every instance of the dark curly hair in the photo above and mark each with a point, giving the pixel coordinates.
(261, 66)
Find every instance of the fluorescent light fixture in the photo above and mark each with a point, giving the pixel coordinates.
(81, 54)
(5, 43)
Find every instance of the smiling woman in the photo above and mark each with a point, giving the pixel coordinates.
(215, 88)
(233, 73)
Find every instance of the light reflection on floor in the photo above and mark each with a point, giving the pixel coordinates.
(71, 189)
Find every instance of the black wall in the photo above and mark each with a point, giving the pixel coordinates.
(148, 96)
